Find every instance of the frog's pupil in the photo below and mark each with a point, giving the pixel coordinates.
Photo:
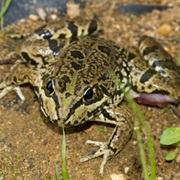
(89, 94)
(49, 87)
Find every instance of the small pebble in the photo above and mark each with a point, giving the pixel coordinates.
(33, 17)
(164, 29)
(73, 10)
(117, 177)
(126, 169)
(178, 158)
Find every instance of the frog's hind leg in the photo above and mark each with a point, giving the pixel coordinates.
(155, 77)
(119, 138)
(157, 58)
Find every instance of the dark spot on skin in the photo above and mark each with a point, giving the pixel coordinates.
(52, 44)
(72, 110)
(149, 86)
(96, 111)
(104, 49)
(56, 100)
(77, 54)
(62, 35)
(66, 79)
(142, 88)
(86, 81)
(44, 61)
(105, 63)
(61, 45)
(93, 113)
(149, 50)
(162, 72)
(76, 66)
(104, 90)
(131, 56)
(119, 74)
(40, 29)
(103, 77)
(56, 51)
(28, 59)
(134, 87)
(82, 32)
(76, 122)
(147, 75)
(78, 104)
(44, 33)
(45, 76)
(136, 73)
(107, 115)
(68, 94)
(92, 27)
(68, 124)
(73, 28)
(15, 79)
(160, 92)
(62, 86)
(168, 63)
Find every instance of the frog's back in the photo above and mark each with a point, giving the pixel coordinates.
(93, 61)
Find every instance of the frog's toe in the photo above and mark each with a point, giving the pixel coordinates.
(5, 91)
(103, 151)
(10, 88)
(19, 93)
(98, 153)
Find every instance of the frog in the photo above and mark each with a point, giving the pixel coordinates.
(80, 77)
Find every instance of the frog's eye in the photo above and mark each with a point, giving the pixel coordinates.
(88, 94)
(49, 87)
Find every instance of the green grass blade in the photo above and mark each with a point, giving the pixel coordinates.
(65, 174)
(141, 119)
(5, 8)
(57, 174)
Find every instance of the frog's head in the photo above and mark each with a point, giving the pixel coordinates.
(71, 104)
(78, 96)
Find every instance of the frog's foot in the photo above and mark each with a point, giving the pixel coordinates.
(103, 151)
(7, 89)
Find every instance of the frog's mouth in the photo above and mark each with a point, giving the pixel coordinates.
(158, 100)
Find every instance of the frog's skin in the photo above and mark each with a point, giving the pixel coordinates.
(79, 79)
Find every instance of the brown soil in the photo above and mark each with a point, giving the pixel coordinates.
(30, 146)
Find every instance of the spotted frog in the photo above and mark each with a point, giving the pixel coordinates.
(79, 77)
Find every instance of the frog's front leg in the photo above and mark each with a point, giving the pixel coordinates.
(20, 74)
(120, 135)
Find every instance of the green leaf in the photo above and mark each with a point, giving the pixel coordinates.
(171, 156)
(170, 136)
